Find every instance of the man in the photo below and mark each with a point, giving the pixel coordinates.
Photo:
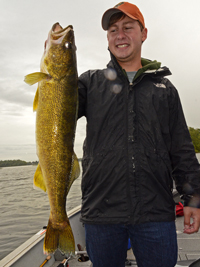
(137, 140)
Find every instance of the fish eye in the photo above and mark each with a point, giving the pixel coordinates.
(68, 45)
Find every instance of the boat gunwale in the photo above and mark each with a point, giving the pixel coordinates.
(21, 250)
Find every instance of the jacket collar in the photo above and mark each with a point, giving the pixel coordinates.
(148, 67)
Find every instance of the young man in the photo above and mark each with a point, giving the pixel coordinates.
(137, 140)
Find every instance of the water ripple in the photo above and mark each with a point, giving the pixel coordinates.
(24, 210)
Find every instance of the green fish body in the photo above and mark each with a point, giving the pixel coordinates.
(56, 103)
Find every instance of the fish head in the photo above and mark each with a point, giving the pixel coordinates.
(59, 58)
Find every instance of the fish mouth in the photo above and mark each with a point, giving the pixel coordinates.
(57, 32)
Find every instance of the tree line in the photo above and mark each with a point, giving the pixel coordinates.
(16, 162)
(195, 135)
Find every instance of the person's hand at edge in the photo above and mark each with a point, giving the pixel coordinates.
(191, 227)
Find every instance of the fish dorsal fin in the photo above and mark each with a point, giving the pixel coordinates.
(35, 77)
(75, 171)
(35, 102)
(38, 179)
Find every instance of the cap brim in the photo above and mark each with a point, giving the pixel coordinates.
(106, 17)
(108, 14)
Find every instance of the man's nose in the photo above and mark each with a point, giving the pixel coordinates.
(121, 34)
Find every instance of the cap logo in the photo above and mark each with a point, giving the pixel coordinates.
(121, 3)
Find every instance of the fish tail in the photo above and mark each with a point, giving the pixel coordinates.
(61, 238)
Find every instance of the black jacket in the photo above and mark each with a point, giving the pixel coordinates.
(137, 142)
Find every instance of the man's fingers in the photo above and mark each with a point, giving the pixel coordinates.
(194, 214)
(187, 216)
(189, 229)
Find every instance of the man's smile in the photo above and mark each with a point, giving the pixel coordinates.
(122, 45)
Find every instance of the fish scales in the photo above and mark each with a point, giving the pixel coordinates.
(56, 103)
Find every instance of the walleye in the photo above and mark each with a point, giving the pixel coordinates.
(56, 103)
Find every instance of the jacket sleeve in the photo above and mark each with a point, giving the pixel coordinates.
(185, 166)
(82, 92)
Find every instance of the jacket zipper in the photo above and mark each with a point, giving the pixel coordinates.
(129, 138)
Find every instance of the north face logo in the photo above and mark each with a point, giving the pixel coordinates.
(160, 85)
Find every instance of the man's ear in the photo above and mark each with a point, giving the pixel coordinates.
(144, 34)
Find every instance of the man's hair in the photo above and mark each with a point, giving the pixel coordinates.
(119, 16)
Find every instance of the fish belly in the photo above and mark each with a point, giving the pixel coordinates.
(55, 130)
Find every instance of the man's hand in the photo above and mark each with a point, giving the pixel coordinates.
(194, 214)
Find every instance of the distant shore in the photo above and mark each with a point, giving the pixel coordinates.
(18, 162)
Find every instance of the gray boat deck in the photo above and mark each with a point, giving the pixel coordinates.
(30, 253)
(75, 263)
(188, 249)
(188, 245)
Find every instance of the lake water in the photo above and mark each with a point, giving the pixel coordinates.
(23, 209)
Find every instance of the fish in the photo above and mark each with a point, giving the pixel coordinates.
(56, 105)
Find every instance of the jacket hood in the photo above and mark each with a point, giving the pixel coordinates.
(148, 66)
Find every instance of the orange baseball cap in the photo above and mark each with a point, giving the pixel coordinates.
(130, 10)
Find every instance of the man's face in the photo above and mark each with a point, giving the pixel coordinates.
(125, 39)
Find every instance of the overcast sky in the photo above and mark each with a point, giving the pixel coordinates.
(173, 39)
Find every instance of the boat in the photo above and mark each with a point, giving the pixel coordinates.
(31, 254)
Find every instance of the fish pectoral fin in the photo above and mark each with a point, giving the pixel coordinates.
(38, 179)
(61, 238)
(74, 173)
(35, 102)
(35, 77)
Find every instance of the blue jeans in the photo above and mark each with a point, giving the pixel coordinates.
(154, 244)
